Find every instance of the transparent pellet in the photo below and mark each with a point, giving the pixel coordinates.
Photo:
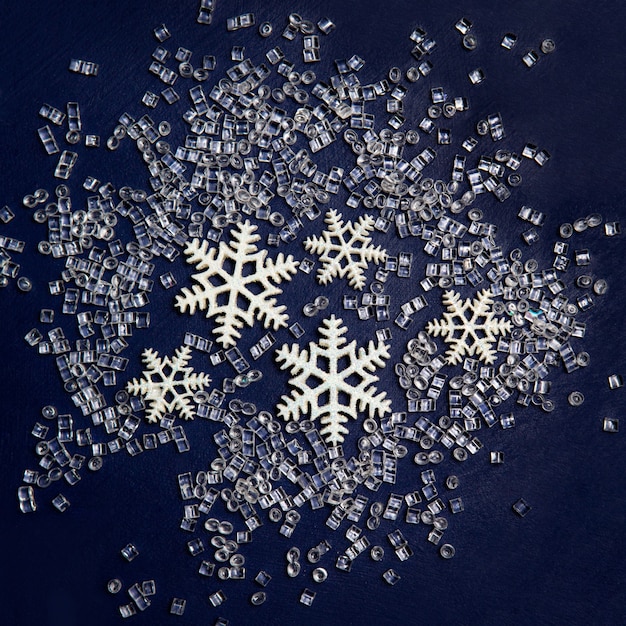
(456, 505)
(293, 569)
(95, 463)
(49, 412)
(319, 574)
(195, 546)
(167, 280)
(6, 215)
(452, 482)
(177, 606)
(258, 598)
(610, 425)
(470, 42)
(463, 26)
(24, 284)
(61, 503)
(600, 287)
(576, 398)
(307, 597)
(127, 610)
(476, 76)
(508, 41)
(114, 585)
(48, 140)
(217, 598)
(162, 33)
(521, 507)
(447, 551)
(293, 554)
(460, 454)
(148, 588)
(496, 458)
(265, 29)
(130, 552)
(391, 577)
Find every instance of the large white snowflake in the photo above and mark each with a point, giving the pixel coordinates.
(332, 380)
(345, 249)
(168, 384)
(469, 327)
(236, 283)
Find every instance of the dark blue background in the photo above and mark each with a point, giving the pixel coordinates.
(563, 563)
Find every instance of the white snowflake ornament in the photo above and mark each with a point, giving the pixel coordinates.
(168, 384)
(469, 327)
(236, 282)
(345, 249)
(324, 383)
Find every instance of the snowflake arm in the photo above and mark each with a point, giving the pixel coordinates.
(469, 327)
(345, 249)
(236, 283)
(168, 385)
(203, 258)
(327, 370)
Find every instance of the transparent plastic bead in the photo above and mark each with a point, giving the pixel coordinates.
(447, 551)
(452, 482)
(293, 569)
(307, 597)
(130, 552)
(600, 287)
(258, 598)
(391, 577)
(576, 398)
(177, 606)
(521, 507)
(319, 574)
(24, 284)
(508, 41)
(470, 42)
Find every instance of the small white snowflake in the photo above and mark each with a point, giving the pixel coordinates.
(168, 384)
(345, 249)
(469, 327)
(236, 282)
(325, 382)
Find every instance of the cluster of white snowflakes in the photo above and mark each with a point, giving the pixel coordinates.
(237, 284)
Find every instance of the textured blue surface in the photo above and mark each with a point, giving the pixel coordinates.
(564, 562)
